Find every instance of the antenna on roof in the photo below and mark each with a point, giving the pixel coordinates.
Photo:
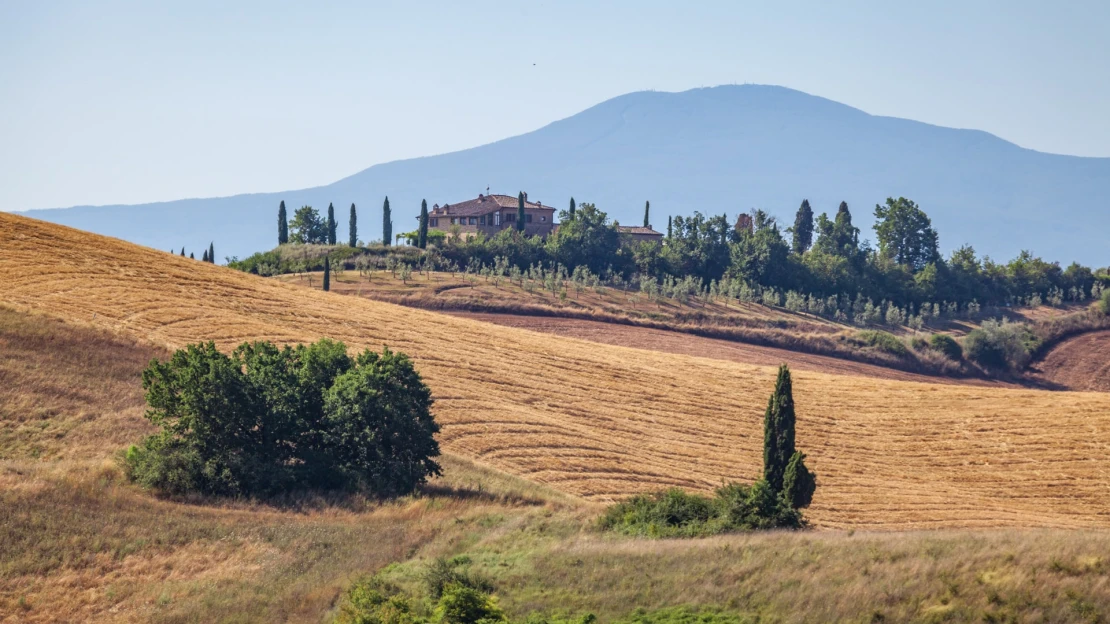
(487, 189)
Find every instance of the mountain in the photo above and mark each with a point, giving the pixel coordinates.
(718, 150)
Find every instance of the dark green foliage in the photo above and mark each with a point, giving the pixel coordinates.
(442, 573)
(307, 227)
(422, 233)
(838, 237)
(681, 615)
(283, 225)
(1000, 345)
(590, 240)
(803, 228)
(1104, 302)
(881, 340)
(182, 252)
(465, 605)
(570, 211)
(387, 223)
(204, 256)
(798, 484)
(778, 430)
(327, 274)
(669, 227)
(373, 601)
(212, 253)
(675, 513)
(191, 256)
(352, 228)
(905, 234)
(647, 214)
(331, 224)
(267, 420)
(947, 345)
(520, 219)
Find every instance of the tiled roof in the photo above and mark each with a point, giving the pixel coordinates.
(485, 204)
(637, 229)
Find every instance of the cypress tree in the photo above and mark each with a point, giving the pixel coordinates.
(327, 273)
(204, 258)
(647, 214)
(798, 483)
(212, 253)
(182, 252)
(778, 431)
(803, 228)
(520, 212)
(387, 223)
(191, 256)
(571, 211)
(422, 234)
(283, 224)
(352, 228)
(669, 230)
(331, 224)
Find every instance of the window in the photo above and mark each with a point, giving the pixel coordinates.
(482, 220)
(452, 220)
(497, 219)
(435, 222)
(473, 220)
(527, 218)
(509, 218)
(543, 219)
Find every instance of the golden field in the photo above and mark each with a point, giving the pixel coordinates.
(600, 421)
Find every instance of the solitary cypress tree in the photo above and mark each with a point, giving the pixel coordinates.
(283, 225)
(571, 211)
(327, 273)
(803, 228)
(331, 224)
(212, 253)
(191, 256)
(182, 252)
(647, 214)
(387, 223)
(778, 431)
(520, 212)
(422, 234)
(669, 231)
(204, 257)
(352, 228)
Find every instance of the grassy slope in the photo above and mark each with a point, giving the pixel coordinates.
(601, 421)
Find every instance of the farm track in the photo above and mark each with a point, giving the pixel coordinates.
(714, 348)
(602, 421)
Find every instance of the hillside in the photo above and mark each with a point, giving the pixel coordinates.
(601, 421)
(723, 149)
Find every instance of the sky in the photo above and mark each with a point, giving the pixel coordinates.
(134, 102)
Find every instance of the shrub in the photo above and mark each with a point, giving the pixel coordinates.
(371, 601)
(947, 345)
(465, 605)
(798, 483)
(1104, 302)
(883, 341)
(1000, 344)
(442, 573)
(266, 420)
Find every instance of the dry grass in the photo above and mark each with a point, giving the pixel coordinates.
(600, 421)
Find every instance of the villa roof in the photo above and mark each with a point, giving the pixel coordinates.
(485, 204)
(638, 229)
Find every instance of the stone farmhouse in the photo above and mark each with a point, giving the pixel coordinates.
(490, 214)
(639, 234)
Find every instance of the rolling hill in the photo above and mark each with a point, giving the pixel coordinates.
(718, 150)
(600, 421)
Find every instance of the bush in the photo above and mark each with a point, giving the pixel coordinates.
(1104, 302)
(1000, 345)
(465, 605)
(442, 573)
(883, 341)
(266, 420)
(947, 345)
(371, 601)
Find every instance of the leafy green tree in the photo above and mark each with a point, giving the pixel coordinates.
(798, 483)
(283, 225)
(905, 233)
(520, 212)
(307, 227)
(331, 224)
(465, 605)
(327, 274)
(590, 239)
(803, 228)
(570, 211)
(778, 431)
(838, 237)
(387, 223)
(647, 214)
(352, 228)
(422, 234)
(761, 255)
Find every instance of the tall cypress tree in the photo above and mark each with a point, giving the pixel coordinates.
(647, 214)
(182, 252)
(778, 431)
(520, 212)
(422, 234)
(283, 225)
(352, 228)
(331, 224)
(327, 273)
(571, 211)
(191, 256)
(212, 253)
(204, 258)
(387, 223)
(803, 228)
(669, 230)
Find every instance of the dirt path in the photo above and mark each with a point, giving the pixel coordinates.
(1079, 363)
(687, 344)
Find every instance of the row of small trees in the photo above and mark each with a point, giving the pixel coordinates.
(309, 228)
(209, 254)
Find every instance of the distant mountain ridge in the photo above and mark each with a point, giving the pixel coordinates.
(718, 150)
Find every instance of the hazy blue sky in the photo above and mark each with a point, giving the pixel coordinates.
(127, 102)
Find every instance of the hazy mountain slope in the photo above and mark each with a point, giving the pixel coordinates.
(724, 149)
